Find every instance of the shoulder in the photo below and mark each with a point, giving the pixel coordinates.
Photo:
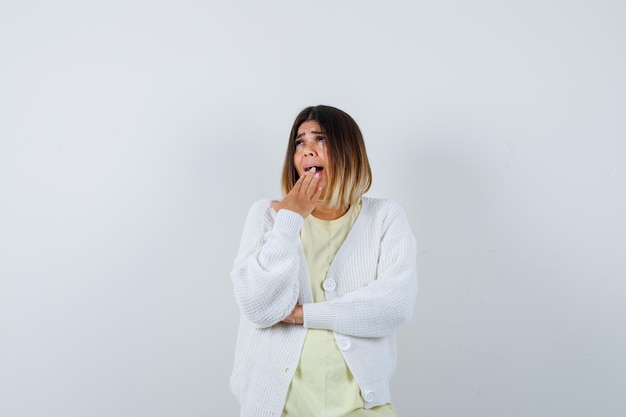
(382, 206)
(385, 213)
(261, 205)
(261, 209)
(389, 217)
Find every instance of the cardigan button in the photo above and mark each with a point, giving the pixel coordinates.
(329, 285)
(369, 396)
(344, 343)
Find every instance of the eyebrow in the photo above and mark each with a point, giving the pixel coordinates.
(315, 132)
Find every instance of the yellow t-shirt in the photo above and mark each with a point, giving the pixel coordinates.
(323, 385)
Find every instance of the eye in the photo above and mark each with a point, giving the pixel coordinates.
(321, 139)
(299, 142)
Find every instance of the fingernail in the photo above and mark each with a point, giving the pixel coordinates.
(317, 174)
(312, 169)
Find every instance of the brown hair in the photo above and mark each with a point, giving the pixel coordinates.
(349, 171)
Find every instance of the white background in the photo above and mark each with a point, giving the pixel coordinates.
(134, 135)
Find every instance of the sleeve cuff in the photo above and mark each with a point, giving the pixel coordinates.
(318, 316)
(288, 222)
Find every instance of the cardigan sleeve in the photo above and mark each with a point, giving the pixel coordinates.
(388, 301)
(265, 274)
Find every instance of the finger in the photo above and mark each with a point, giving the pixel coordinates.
(318, 191)
(309, 184)
(298, 185)
(313, 185)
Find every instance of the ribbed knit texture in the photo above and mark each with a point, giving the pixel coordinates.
(376, 279)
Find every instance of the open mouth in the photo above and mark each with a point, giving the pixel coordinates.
(317, 168)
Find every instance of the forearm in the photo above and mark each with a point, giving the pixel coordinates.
(373, 311)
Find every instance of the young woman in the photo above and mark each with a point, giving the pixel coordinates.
(323, 279)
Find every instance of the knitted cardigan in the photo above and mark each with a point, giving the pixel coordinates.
(370, 291)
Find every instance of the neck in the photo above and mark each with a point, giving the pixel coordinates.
(323, 212)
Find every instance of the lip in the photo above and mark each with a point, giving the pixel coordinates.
(318, 167)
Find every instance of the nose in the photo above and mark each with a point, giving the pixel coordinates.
(308, 150)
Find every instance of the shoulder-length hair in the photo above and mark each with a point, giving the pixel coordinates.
(349, 170)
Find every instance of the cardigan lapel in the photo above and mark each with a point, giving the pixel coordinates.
(355, 234)
(306, 293)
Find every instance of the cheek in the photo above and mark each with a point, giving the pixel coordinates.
(326, 158)
(326, 154)
(296, 163)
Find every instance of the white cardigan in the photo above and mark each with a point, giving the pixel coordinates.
(370, 291)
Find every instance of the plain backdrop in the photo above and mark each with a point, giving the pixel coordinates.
(134, 136)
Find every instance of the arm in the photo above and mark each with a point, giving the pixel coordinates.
(266, 269)
(265, 274)
(387, 302)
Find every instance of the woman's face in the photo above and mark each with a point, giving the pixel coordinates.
(311, 150)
